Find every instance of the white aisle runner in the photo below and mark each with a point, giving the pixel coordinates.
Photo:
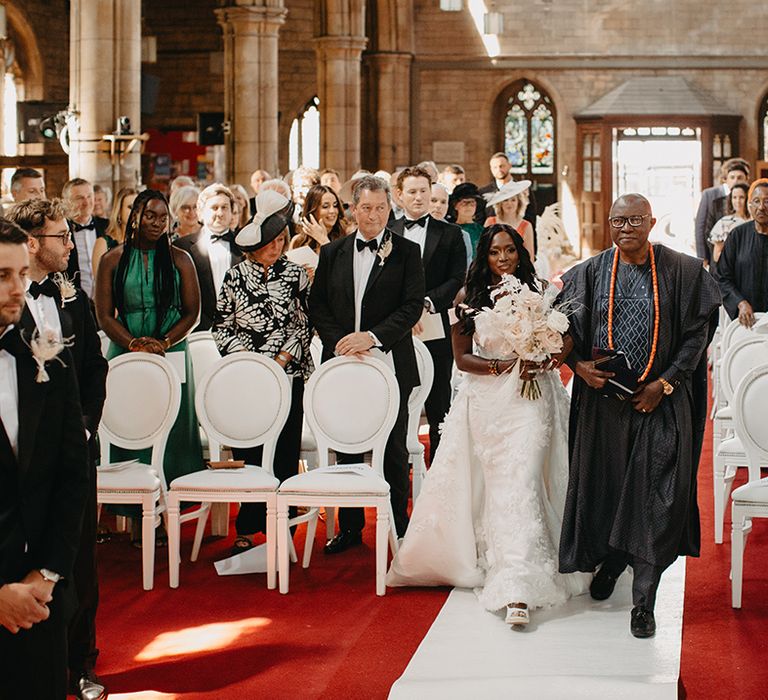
(582, 649)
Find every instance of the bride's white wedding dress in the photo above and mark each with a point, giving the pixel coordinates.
(490, 510)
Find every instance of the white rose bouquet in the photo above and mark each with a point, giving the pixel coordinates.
(522, 323)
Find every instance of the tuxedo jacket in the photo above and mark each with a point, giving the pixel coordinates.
(100, 224)
(530, 210)
(78, 324)
(712, 206)
(199, 252)
(43, 489)
(445, 268)
(391, 306)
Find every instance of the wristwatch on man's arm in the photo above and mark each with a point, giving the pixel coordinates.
(50, 576)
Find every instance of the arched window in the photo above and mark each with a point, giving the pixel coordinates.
(763, 128)
(529, 137)
(304, 139)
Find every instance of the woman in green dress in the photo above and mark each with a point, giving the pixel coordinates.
(148, 300)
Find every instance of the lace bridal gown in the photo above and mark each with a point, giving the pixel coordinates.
(490, 509)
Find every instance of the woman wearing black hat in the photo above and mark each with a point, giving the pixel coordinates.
(262, 307)
(462, 206)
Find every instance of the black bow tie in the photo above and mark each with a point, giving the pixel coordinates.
(362, 245)
(82, 227)
(410, 223)
(47, 288)
(227, 236)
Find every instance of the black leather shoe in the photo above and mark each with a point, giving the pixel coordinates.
(643, 624)
(602, 584)
(344, 540)
(88, 687)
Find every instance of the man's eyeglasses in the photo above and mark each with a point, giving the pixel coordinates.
(65, 237)
(635, 220)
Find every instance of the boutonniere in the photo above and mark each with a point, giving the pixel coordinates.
(385, 249)
(67, 289)
(46, 346)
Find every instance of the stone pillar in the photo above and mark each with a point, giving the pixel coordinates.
(338, 80)
(391, 83)
(105, 83)
(251, 29)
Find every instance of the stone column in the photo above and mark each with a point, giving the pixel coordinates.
(251, 29)
(105, 83)
(338, 80)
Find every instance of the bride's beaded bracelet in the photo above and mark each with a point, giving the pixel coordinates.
(493, 367)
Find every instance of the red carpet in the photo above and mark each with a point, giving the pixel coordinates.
(218, 637)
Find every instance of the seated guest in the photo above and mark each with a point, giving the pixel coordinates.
(262, 307)
(736, 213)
(213, 248)
(86, 228)
(115, 234)
(148, 300)
(27, 183)
(183, 206)
(742, 270)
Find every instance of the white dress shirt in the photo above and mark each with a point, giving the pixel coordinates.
(417, 234)
(220, 255)
(84, 242)
(364, 261)
(9, 397)
(44, 311)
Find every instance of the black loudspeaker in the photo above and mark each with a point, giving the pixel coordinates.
(210, 128)
(150, 90)
(33, 115)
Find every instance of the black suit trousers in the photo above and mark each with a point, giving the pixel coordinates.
(395, 472)
(439, 400)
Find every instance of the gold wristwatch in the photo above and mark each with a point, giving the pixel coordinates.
(668, 388)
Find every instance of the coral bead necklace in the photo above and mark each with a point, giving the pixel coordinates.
(611, 295)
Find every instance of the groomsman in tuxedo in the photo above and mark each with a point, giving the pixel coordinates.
(43, 491)
(368, 293)
(86, 228)
(69, 316)
(445, 266)
(212, 248)
(501, 171)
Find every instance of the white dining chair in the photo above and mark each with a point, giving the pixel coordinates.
(415, 407)
(351, 406)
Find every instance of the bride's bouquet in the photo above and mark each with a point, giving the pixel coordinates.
(522, 323)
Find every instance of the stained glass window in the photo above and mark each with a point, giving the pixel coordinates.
(529, 130)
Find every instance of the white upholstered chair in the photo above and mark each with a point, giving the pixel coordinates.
(415, 405)
(242, 401)
(742, 355)
(143, 398)
(750, 407)
(351, 406)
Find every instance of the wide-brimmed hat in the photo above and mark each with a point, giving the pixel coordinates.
(511, 189)
(268, 222)
(465, 190)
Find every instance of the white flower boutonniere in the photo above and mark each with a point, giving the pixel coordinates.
(67, 289)
(384, 251)
(46, 346)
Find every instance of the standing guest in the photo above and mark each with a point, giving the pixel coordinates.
(322, 221)
(445, 266)
(632, 491)
(27, 183)
(438, 209)
(301, 180)
(213, 248)
(737, 213)
(451, 176)
(462, 211)
(102, 201)
(181, 181)
(509, 205)
(331, 178)
(742, 270)
(431, 168)
(148, 300)
(262, 307)
(258, 178)
(397, 210)
(240, 208)
(49, 308)
(41, 513)
(369, 293)
(501, 171)
(115, 233)
(713, 203)
(183, 206)
(86, 228)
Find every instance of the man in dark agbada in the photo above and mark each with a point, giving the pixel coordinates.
(632, 491)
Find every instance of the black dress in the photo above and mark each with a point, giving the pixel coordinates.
(742, 270)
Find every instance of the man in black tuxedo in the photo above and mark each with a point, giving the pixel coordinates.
(212, 248)
(69, 316)
(501, 171)
(445, 266)
(43, 490)
(713, 204)
(86, 228)
(357, 304)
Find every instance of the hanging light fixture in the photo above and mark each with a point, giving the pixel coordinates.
(493, 23)
(451, 5)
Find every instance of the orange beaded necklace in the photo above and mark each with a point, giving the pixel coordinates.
(611, 294)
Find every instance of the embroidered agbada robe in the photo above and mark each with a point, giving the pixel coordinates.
(632, 476)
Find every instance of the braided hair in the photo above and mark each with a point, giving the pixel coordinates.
(166, 287)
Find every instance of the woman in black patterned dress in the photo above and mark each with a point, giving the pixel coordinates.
(262, 307)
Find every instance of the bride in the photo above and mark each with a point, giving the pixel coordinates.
(490, 509)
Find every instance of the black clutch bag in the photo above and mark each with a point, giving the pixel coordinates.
(625, 380)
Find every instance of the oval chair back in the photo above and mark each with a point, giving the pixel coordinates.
(420, 393)
(742, 356)
(750, 408)
(203, 352)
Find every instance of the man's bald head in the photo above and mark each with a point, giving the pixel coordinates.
(632, 201)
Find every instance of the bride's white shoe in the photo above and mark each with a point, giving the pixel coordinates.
(517, 614)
